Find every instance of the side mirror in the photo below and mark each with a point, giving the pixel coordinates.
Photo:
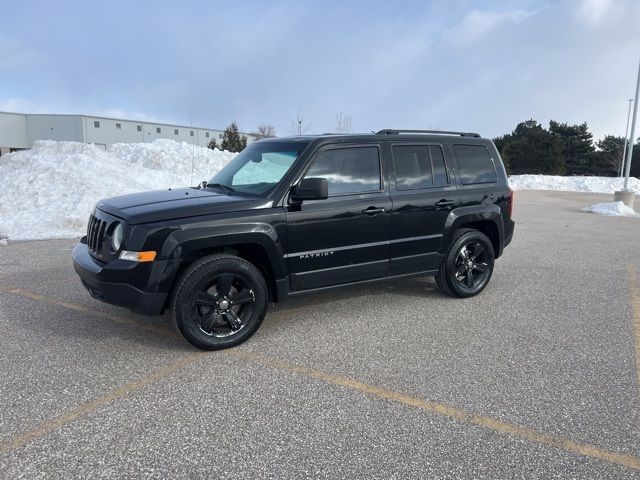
(311, 189)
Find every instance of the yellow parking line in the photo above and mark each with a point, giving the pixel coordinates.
(499, 426)
(95, 404)
(164, 331)
(458, 414)
(634, 294)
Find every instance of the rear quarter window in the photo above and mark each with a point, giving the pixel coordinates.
(475, 164)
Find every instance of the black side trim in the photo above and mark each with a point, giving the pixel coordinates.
(425, 273)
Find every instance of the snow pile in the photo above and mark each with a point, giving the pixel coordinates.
(173, 159)
(49, 191)
(572, 184)
(614, 209)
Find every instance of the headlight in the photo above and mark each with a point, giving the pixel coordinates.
(116, 237)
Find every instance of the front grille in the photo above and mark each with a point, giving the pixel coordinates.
(95, 234)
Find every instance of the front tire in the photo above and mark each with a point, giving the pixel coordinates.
(219, 302)
(468, 264)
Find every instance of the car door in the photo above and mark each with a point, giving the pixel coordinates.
(423, 194)
(344, 238)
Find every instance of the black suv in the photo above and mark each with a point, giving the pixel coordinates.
(289, 216)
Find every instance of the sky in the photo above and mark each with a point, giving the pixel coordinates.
(480, 66)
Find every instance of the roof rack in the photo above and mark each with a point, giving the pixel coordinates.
(388, 131)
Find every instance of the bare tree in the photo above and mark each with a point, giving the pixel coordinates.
(343, 122)
(265, 130)
(299, 127)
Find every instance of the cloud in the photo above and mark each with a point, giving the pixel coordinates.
(15, 55)
(25, 105)
(433, 64)
(477, 24)
(592, 11)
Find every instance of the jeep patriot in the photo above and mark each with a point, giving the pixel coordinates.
(292, 216)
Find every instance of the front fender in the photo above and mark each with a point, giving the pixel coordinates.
(184, 243)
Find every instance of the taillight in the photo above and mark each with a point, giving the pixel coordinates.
(510, 203)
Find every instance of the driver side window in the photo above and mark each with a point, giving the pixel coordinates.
(348, 170)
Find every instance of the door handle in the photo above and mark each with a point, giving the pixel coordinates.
(371, 211)
(444, 203)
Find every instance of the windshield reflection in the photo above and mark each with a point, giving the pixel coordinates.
(258, 168)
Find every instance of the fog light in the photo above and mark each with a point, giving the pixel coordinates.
(139, 257)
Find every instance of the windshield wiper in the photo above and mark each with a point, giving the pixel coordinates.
(226, 188)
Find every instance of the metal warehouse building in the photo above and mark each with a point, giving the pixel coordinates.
(20, 130)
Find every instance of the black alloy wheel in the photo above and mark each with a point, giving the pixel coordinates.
(471, 266)
(224, 306)
(219, 302)
(468, 264)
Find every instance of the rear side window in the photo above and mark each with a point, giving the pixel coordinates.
(475, 164)
(348, 170)
(419, 166)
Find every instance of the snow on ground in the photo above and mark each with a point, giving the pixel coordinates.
(572, 184)
(613, 209)
(49, 190)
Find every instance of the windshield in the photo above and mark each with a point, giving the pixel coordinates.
(258, 168)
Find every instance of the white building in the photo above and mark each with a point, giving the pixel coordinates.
(20, 130)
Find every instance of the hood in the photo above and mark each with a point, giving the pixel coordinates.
(175, 203)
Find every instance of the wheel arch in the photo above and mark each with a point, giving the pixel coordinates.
(261, 249)
(485, 218)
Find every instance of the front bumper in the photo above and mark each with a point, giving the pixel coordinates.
(122, 282)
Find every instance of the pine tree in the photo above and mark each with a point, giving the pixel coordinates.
(530, 148)
(232, 141)
(576, 145)
(608, 159)
(501, 143)
(212, 145)
(635, 160)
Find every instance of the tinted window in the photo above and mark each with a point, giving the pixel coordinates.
(348, 170)
(475, 164)
(419, 166)
(413, 167)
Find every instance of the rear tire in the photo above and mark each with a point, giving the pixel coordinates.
(468, 264)
(219, 302)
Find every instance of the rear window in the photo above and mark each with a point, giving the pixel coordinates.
(475, 164)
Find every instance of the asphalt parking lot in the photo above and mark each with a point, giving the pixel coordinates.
(537, 377)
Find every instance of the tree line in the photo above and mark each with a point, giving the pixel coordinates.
(234, 141)
(562, 149)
